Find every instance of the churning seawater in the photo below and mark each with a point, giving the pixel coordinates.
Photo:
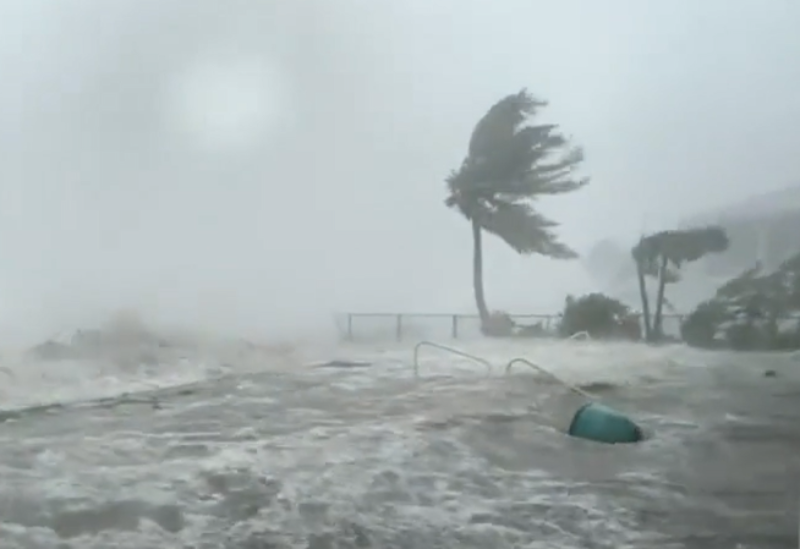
(266, 451)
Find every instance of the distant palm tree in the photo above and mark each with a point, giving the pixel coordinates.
(645, 260)
(510, 163)
(661, 255)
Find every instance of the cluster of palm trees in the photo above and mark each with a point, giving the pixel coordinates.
(512, 161)
(661, 256)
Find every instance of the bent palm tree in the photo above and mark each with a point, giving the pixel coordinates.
(510, 163)
(661, 255)
(642, 258)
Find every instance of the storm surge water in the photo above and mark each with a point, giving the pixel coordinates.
(234, 446)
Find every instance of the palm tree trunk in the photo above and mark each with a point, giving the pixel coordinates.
(477, 273)
(645, 301)
(658, 331)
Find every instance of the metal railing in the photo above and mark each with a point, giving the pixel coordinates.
(400, 325)
(511, 363)
(548, 373)
(402, 322)
(581, 336)
(451, 350)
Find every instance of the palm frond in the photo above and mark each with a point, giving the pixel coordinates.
(523, 229)
(514, 157)
(511, 162)
(557, 177)
(683, 246)
(502, 121)
(677, 247)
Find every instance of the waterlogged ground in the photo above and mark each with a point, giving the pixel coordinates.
(271, 452)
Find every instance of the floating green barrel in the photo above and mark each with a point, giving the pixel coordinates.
(600, 423)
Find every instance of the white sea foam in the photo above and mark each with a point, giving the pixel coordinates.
(26, 380)
(353, 453)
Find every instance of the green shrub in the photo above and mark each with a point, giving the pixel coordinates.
(699, 329)
(600, 316)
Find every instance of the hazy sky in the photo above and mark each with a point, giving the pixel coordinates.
(258, 165)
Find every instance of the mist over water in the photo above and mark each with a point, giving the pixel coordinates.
(258, 167)
(194, 161)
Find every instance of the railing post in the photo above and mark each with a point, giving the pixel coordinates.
(455, 327)
(349, 326)
(399, 327)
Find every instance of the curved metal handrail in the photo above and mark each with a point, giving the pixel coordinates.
(520, 360)
(450, 350)
(580, 336)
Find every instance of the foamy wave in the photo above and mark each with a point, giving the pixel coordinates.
(33, 383)
(348, 457)
(116, 366)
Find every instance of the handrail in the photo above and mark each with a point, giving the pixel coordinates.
(548, 374)
(584, 335)
(450, 350)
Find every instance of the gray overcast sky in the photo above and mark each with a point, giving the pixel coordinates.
(257, 165)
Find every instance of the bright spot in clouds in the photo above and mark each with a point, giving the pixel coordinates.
(227, 103)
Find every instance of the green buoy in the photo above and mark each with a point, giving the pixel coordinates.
(600, 423)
